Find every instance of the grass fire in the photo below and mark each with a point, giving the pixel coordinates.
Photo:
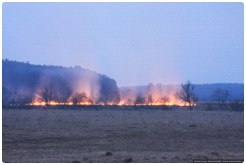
(60, 86)
(83, 100)
(123, 82)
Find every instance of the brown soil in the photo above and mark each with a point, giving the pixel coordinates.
(121, 136)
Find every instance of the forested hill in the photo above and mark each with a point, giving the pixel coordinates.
(26, 80)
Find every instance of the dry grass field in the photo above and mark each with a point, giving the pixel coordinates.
(111, 135)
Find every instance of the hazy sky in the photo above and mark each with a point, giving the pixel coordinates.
(134, 43)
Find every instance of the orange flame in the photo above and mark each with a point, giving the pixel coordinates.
(150, 99)
(121, 103)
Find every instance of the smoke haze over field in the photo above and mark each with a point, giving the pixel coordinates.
(134, 43)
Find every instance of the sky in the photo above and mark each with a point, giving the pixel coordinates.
(133, 43)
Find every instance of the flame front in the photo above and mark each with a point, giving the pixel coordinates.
(122, 102)
(155, 95)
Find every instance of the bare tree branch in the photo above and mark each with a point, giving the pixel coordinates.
(187, 95)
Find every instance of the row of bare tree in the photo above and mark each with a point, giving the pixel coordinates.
(186, 93)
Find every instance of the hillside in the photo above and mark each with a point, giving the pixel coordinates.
(25, 82)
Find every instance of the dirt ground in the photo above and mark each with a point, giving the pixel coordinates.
(121, 135)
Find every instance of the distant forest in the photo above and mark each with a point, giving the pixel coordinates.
(24, 82)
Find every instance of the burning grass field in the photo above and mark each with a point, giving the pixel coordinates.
(121, 134)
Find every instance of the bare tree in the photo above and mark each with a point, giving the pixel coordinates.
(220, 96)
(51, 92)
(76, 98)
(47, 93)
(150, 99)
(6, 94)
(139, 100)
(164, 99)
(187, 95)
(80, 98)
(13, 96)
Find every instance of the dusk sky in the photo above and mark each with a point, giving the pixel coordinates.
(133, 43)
